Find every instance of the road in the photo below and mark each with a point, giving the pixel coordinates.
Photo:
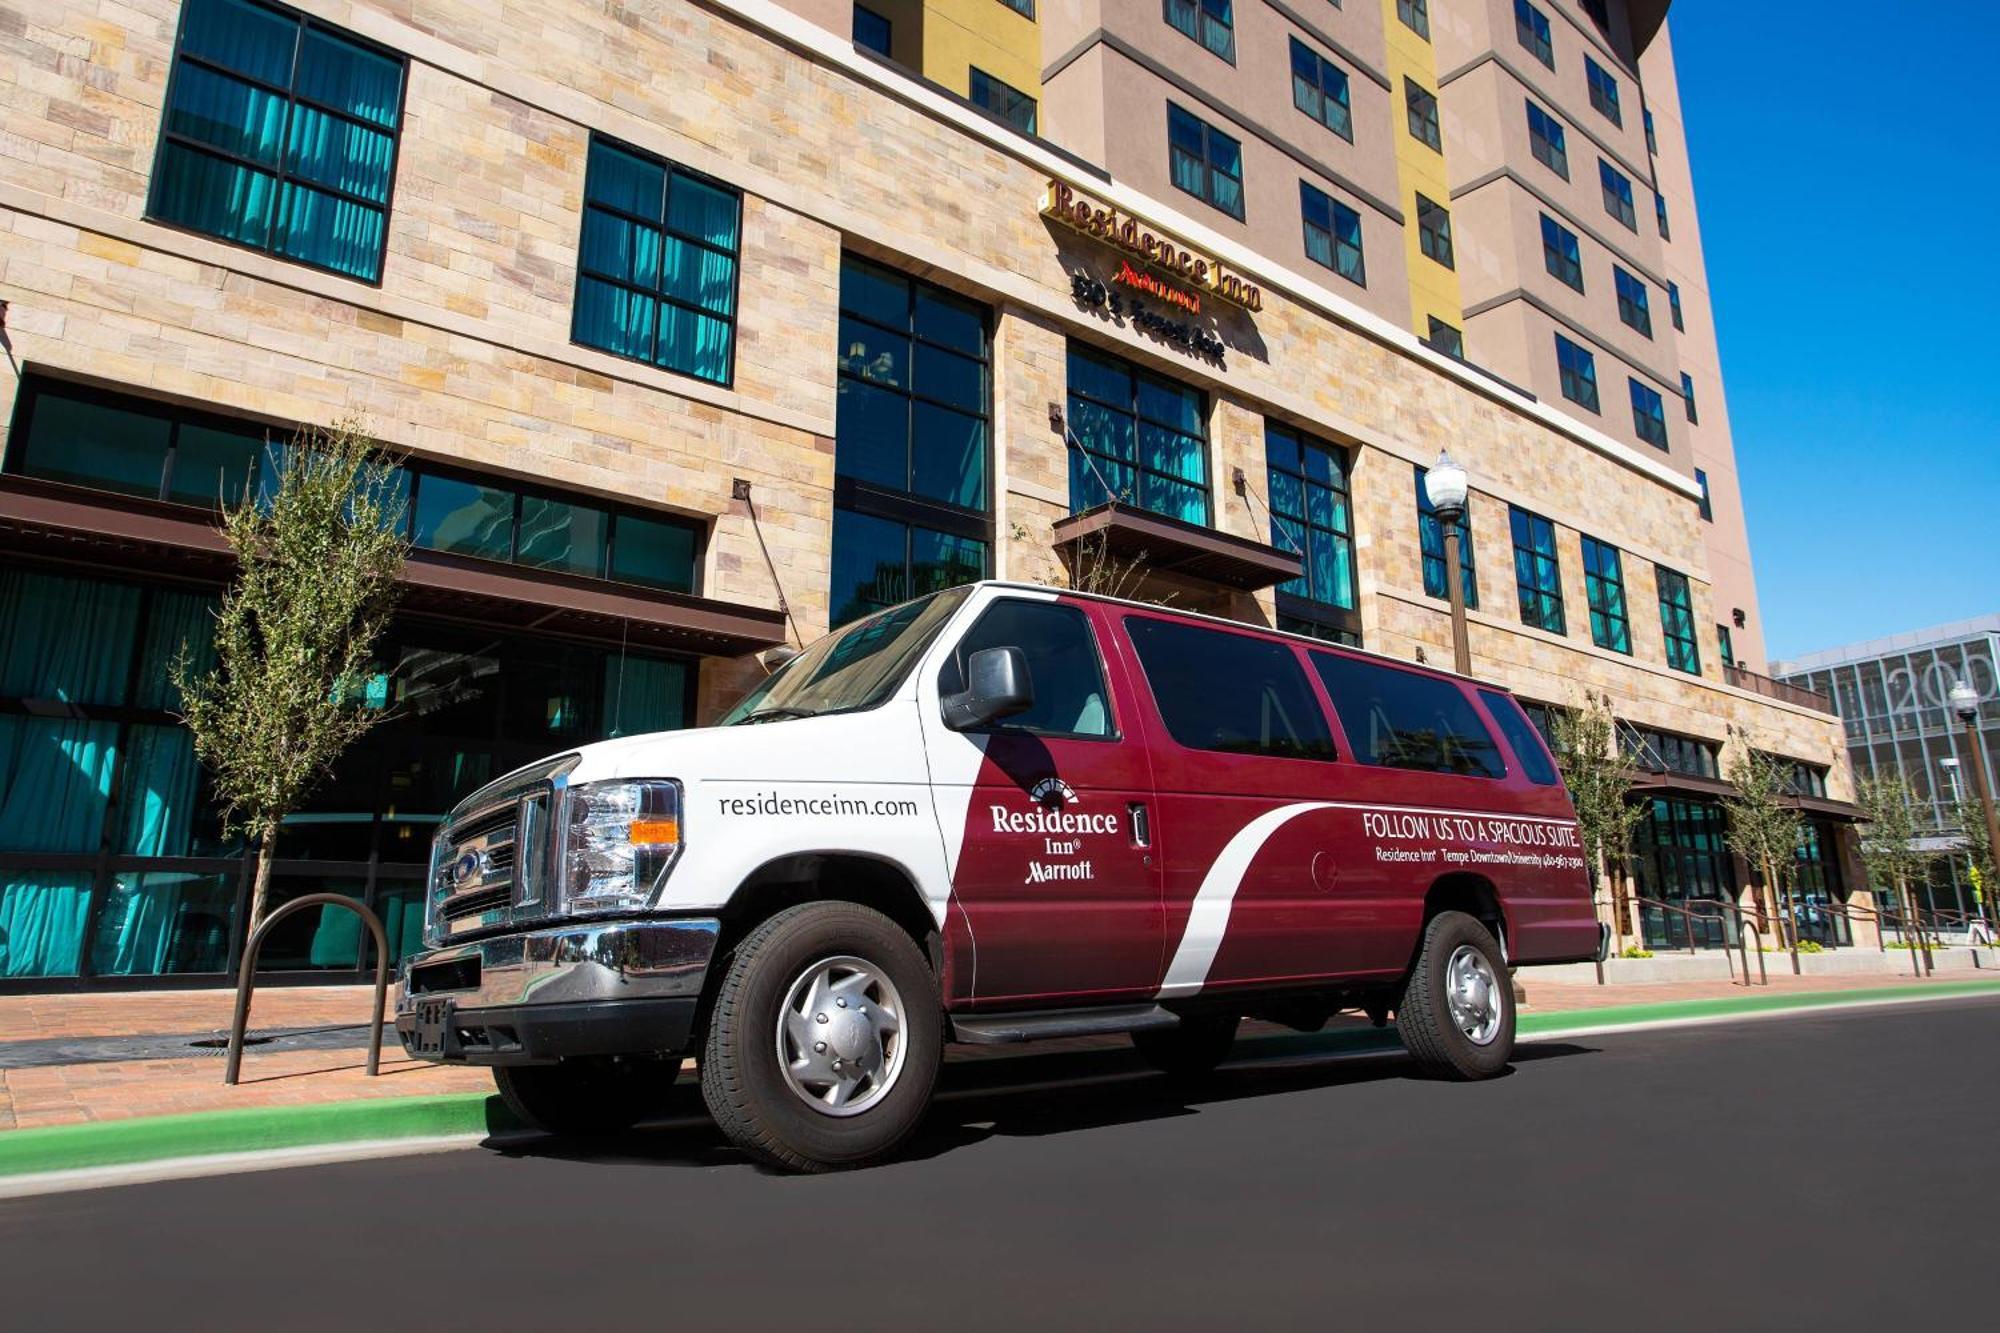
(1805, 1171)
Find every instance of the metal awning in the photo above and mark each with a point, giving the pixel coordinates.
(1170, 546)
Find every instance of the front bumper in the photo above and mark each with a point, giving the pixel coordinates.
(609, 988)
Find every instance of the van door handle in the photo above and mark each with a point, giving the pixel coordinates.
(1142, 828)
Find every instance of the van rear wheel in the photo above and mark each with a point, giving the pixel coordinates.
(1192, 1049)
(824, 1042)
(1457, 1014)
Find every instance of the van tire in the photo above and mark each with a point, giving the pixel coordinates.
(1433, 1034)
(1191, 1050)
(586, 1097)
(754, 1103)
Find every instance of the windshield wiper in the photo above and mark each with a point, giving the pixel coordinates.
(775, 715)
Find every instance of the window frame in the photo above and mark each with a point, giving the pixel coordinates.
(1320, 66)
(1660, 216)
(975, 75)
(1328, 665)
(1603, 91)
(1683, 649)
(1138, 373)
(1616, 188)
(1453, 347)
(1532, 22)
(1537, 573)
(1113, 733)
(1130, 623)
(1582, 372)
(1201, 20)
(1707, 503)
(1635, 308)
(1337, 211)
(1434, 231)
(1562, 254)
(888, 30)
(1209, 133)
(1687, 398)
(1674, 306)
(1604, 591)
(1416, 16)
(1422, 115)
(1306, 606)
(1552, 153)
(1649, 410)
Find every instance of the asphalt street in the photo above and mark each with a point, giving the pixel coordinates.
(1819, 1171)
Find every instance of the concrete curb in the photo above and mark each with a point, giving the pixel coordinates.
(466, 1117)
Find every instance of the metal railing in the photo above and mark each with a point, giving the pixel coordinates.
(246, 976)
(1745, 679)
(1705, 911)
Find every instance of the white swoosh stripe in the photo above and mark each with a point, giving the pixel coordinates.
(1209, 918)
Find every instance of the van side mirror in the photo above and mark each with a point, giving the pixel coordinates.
(997, 685)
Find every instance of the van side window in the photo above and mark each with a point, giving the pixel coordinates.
(1522, 738)
(1403, 719)
(1230, 692)
(1070, 698)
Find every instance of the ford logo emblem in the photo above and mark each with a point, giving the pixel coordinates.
(466, 867)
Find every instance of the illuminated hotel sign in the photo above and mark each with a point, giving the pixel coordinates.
(1091, 218)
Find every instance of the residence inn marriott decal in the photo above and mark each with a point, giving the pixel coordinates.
(1084, 214)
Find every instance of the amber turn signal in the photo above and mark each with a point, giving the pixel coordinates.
(655, 832)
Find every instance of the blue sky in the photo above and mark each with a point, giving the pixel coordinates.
(1847, 195)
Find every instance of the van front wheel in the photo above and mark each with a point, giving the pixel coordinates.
(824, 1042)
(1457, 1014)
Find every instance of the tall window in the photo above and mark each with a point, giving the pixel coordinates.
(1578, 369)
(1310, 517)
(1633, 307)
(1547, 141)
(1421, 107)
(1319, 88)
(1687, 397)
(1204, 161)
(1531, 27)
(279, 135)
(1434, 231)
(1660, 215)
(656, 277)
(1537, 572)
(1446, 338)
(1674, 306)
(872, 30)
(1604, 586)
(1003, 100)
(1560, 255)
(1649, 414)
(1333, 234)
(1416, 16)
(1603, 90)
(1210, 22)
(910, 445)
(1677, 620)
(1727, 643)
(1707, 506)
(1617, 194)
(1430, 541)
(1141, 439)
(1652, 139)
(1025, 8)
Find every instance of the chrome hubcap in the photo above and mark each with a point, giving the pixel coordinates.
(1473, 993)
(840, 1036)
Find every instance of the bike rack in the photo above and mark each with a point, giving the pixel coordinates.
(246, 976)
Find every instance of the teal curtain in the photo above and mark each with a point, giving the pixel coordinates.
(174, 620)
(41, 922)
(164, 923)
(161, 783)
(643, 695)
(68, 640)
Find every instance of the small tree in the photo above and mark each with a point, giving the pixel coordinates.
(1971, 817)
(1764, 830)
(1889, 846)
(318, 558)
(1600, 787)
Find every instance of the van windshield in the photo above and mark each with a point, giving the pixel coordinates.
(852, 668)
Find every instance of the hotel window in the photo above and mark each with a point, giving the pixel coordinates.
(1649, 414)
(1434, 231)
(1665, 752)
(1674, 306)
(1531, 27)
(1139, 438)
(1687, 397)
(1634, 309)
(1416, 16)
(1003, 100)
(1652, 139)
(1677, 620)
(280, 135)
(1727, 643)
(1560, 255)
(910, 441)
(1025, 8)
(1604, 587)
(656, 278)
(1603, 90)
(1707, 505)
(1430, 542)
(1422, 109)
(1537, 572)
(1319, 88)
(1204, 161)
(1446, 338)
(1210, 22)
(1547, 141)
(1617, 194)
(1660, 215)
(1333, 234)
(872, 30)
(1578, 370)
(1311, 518)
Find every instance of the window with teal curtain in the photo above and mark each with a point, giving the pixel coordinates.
(656, 276)
(163, 923)
(643, 694)
(1310, 515)
(1138, 438)
(280, 134)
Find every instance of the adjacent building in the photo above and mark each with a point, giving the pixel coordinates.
(702, 328)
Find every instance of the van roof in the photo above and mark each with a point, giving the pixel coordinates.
(1226, 623)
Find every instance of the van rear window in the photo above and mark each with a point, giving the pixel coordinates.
(1403, 719)
(1522, 738)
(1230, 692)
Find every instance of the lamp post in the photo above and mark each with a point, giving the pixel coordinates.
(1965, 703)
(1445, 488)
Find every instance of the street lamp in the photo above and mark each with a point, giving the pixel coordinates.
(1965, 703)
(1445, 488)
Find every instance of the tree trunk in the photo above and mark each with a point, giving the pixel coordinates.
(261, 893)
(1909, 920)
(1617, 907)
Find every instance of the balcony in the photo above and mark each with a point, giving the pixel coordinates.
(1777, 689)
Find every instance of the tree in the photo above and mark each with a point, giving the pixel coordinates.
(318, 557)
(1971, 817)
(1889, 847)
(1764, 830)
(1600, 786)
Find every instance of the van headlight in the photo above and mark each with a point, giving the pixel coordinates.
(619, 841)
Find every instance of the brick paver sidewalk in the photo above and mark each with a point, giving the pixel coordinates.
(69, 1093)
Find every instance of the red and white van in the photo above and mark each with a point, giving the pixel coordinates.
(995, 814)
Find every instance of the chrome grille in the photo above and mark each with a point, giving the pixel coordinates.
(487, 862)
